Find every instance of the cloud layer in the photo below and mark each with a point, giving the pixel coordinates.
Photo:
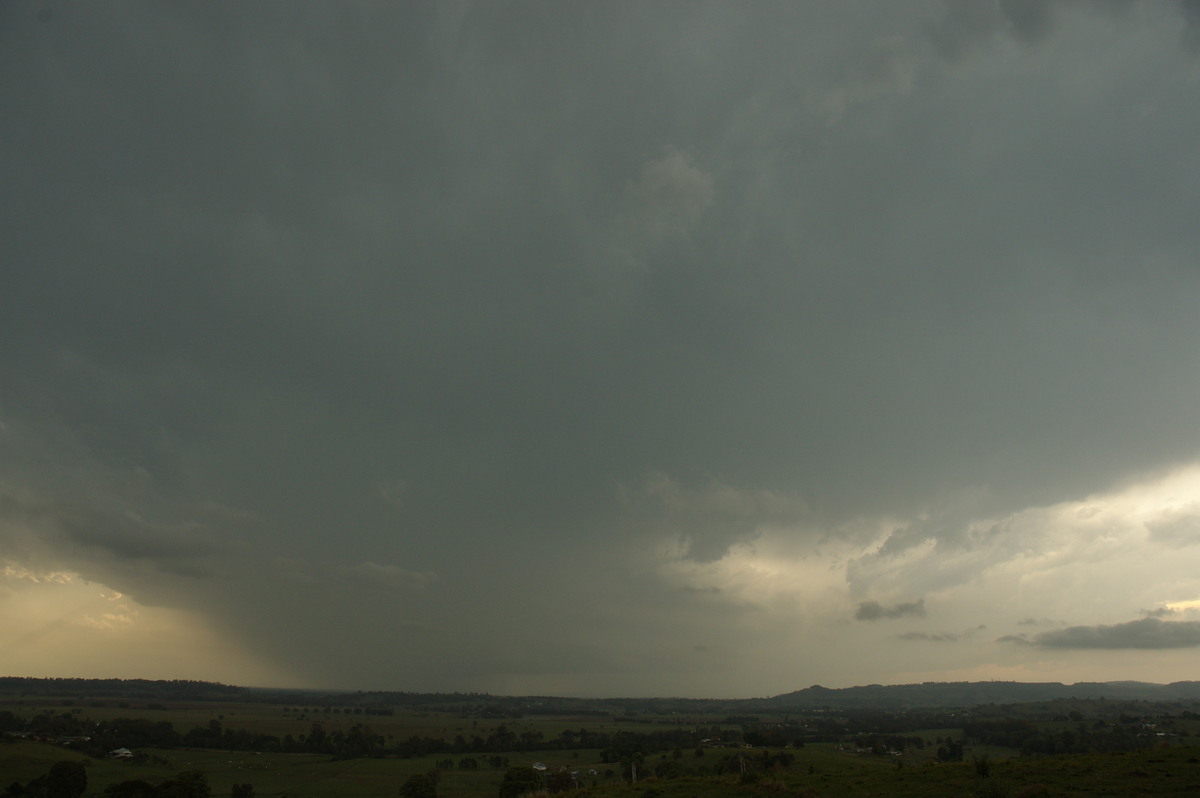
(1145, 633)
(600, 348)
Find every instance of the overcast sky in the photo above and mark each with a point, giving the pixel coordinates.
(600, 348)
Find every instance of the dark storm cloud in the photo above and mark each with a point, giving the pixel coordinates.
(874, 611)
(1191, 14)
(1146, 633)
(965, 26)
(493, 309)
(708, 519)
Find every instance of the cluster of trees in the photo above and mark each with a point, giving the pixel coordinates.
(614, 745)
(64, 780)
(420, 785)
(69, 780)
(471, 763)
(883, 743)
(776, 736)
(749, 767)
(172, 689)
(1031, 738)
(359, 741)
(187, 784)
(303, 712)
(950, 751)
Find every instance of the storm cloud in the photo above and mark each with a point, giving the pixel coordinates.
(595, 348)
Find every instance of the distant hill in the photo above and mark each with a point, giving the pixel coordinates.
(926, 695)
(943, 695)
(176, 689)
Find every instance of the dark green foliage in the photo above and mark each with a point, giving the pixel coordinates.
(131, 789)
(1034, 738)
(420, 785)
(560, 781)
(66, 780)
(63, 780)
(187, 784)
(952, 751)
(175, 690)
(991, 789)
(520, 780)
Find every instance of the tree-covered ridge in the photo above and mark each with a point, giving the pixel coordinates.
(172, 689)
(926, 695)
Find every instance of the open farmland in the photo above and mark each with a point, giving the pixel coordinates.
(370, 744)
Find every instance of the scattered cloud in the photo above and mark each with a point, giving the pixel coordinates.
(1146, 633)
(874, 611)
(937, 637)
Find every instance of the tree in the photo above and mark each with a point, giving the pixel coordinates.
(560, 780)
(130, 789)
(420, 785)
(63, 780)
(66, 780)
(186, 784)
(520, 780)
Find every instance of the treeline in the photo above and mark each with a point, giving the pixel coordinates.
(358, 741)
(174, 689)
(1032, 738)
(69, 780)
(613, 745)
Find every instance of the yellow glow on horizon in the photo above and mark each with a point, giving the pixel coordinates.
(61, 625)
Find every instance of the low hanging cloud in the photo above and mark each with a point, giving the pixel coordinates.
(1146, 633)
(874, 611)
